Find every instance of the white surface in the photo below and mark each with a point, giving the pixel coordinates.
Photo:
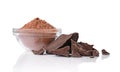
(28, 62)
(97, 22)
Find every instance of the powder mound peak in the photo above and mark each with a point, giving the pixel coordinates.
(37, 23)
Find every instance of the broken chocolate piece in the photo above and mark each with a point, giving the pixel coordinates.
(40, 52)
(104, 52)
(84, 49)
(75, 36)
(86, 46)
(62, 51)
(61, 41)
(75, 50)
(95, 53)
(89, 53)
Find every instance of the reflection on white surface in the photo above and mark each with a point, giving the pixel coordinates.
(105, 57)
(28, 62)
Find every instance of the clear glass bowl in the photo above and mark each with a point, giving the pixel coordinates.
(34, 39)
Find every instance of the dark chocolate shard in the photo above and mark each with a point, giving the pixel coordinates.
(86, 50)
(62, 41)
(39, 52)
(82, 51)
(75, 36)
(86, 46)
(89, 53)
(78, 50)
(95, 53)
(89, 48)
(74, 49)
(62, 51)
(104, 52)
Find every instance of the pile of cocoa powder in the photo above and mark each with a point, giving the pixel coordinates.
(37, 34)
(37, 24)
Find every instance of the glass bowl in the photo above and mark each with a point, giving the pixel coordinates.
(35, 39)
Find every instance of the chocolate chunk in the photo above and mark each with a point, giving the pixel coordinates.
(61, 41)
(104, 52)
(75, 36)
(82, 51)
(40, 52)
(95, 53)
(75, 49)
(86, 46)
(90, 51)
(62, 51)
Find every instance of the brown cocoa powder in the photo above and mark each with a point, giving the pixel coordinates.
(37, 34)
(37, 24)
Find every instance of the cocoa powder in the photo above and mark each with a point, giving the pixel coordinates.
(37, 34)
(37, 24)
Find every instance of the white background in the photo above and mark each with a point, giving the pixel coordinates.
(97, 22)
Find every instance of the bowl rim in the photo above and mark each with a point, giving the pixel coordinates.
(19, 30)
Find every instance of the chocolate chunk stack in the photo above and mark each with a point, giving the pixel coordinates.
(67, 45)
